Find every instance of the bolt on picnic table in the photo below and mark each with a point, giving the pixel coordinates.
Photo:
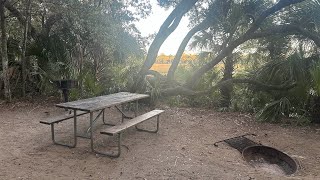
(88, 106)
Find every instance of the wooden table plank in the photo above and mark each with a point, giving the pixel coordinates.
(101, 102)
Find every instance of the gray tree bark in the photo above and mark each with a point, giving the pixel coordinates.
(24, 47)
(203, 25)
(169, 25)
(4, 52)
(226, 90)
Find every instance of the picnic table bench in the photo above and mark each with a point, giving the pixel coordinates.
(99, 104)
(116, 130)
(57, 119)
(60, 118)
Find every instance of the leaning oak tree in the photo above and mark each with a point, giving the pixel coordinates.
(256, 29)
(168, 26)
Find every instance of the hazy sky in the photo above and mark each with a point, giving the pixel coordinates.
(152, 24)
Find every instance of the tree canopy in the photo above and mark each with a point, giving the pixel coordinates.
(66, 39)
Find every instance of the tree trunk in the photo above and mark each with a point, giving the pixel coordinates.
(226, 90)
(203, 25)
(4, 53)
(81, 51)
(24, 47)
(169, 25)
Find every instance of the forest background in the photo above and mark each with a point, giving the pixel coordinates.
(256, 56)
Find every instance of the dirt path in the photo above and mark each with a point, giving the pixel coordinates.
(182, 149)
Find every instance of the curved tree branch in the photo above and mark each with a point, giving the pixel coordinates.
(289, 30)
(203, 25)
(280, 5)
(169, 25)
(14, 11)
(248, 35)
(179, 90)
(260, 85)
(34, 33)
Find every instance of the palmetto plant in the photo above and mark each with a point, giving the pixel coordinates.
(303, 71)
(315, 92)
(275, 110)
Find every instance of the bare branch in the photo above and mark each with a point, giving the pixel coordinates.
(203, 25)
(20, 18)
(34, 34)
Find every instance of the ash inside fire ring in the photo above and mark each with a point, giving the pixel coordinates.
(269, 159)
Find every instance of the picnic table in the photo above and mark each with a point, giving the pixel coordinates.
(99, 104)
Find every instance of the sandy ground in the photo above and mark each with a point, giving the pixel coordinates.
(182, 149)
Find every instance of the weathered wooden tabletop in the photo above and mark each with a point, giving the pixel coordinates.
(101, 102)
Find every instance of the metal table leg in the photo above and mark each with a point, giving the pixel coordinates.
(74, 133)
(124, 116)
(101, 112)
(103, 116)
(136, 109)
(135, 114)
(154, 131)
(103, 119)
(88, 130)
(110, 154)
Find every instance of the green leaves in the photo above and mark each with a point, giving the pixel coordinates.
(273, 111)
(315, 77)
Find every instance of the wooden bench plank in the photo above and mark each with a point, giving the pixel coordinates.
(57, 119)
(132, 122)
